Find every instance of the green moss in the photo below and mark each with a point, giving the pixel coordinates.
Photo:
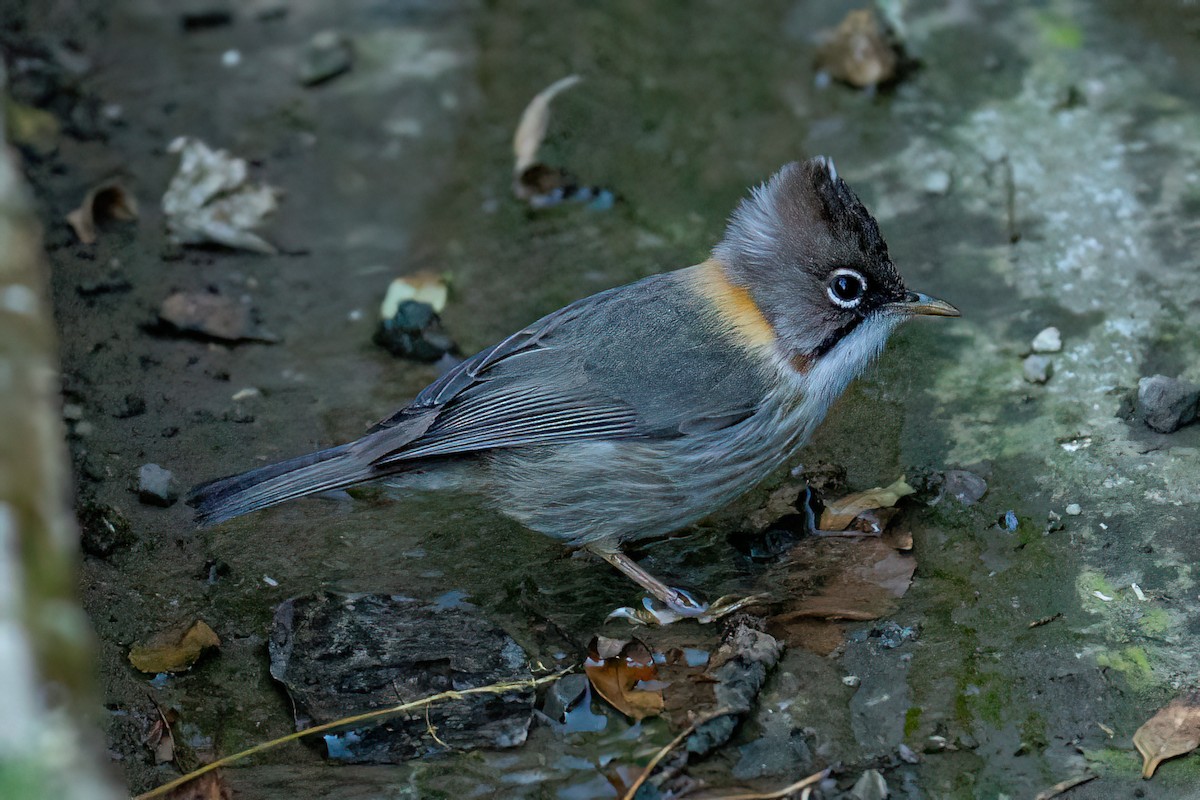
(1155, 622)
(912, 719)
(1033, 731)
(1058, 31)
(1131, 662)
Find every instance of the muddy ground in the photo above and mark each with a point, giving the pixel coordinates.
(1041, 167)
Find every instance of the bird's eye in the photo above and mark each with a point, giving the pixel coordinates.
(846, 288)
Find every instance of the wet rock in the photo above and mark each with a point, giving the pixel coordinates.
(414, 331)
(741, 664)
(781, 751)
(327, 55)
(965, 487)
(103, 529)
(563, 695)
(1166, 404)
(892, 634)
(871, 786)
(1048, 340)
(156, 486)
(343, 654)
(861, 51)
(211, 316)
(1037, 368)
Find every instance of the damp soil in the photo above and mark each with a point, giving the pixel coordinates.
(403, 163)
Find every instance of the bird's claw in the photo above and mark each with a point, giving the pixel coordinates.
(684, 606)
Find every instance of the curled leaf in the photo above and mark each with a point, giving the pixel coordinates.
(174, 651)
(107, 201)
(1173, 731)
(623, 673)
(839, 514)
(531, 130)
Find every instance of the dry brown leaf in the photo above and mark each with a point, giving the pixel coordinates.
(160, 739)
(104, 202)
(531, 130)
(212, 315)
(616, 668)
(840, 513)
(855, 579)
(859, 52)
(1173, 731)
(209, 786)
(174, 651)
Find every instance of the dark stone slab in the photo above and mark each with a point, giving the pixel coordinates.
(340, 655)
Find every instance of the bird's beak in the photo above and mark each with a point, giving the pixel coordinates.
(917, 303)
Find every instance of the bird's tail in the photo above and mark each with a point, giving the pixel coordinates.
(322, 471)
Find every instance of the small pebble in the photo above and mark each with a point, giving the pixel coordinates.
(326, 56)
(1074, 509)
(246, 394)
(1038, 369)
(269, 581)
(1048, 341)
(231, 58)
(852, 681)
(937, 182)
(156, 486)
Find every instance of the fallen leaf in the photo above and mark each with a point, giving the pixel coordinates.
(104, 202)
(860, 51)
(423, 287)
(209, 786)
(173, 651)
(619, 671)
(213, 316)
(1173, 731)
(210, 200)
(160, 739)
(30, 127)
(867, 576)
(531, 131)
(840, 513)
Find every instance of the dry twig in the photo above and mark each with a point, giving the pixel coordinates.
(1062, 786)
(778, 794)
(671, 745)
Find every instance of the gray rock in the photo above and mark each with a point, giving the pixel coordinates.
(871, 786)
(1038, 368)
(1047, 341)
(563, 694)
(1166, 404)
(965, 487)
(747, 655)
(326, 56)
(156, 486)
(339, 655)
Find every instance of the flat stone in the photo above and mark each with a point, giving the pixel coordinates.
(1166, 404)
(326, 56)
(965, 487)
(156, 486)
(1037, 368)
(339, 655)
(1074, 510)
(1048, 340)
(871, 786)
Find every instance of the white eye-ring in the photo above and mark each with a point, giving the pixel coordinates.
(846, 288)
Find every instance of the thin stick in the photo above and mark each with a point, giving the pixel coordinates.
(671, 745)
(1062, 786)
(815, 778)
(495, 688)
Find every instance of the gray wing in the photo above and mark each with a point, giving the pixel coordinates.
(643, 361)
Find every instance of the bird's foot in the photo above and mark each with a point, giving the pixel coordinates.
(681, 605)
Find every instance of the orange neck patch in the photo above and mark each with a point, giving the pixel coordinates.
(734, 304)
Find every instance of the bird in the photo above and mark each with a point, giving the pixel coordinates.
(639, 410)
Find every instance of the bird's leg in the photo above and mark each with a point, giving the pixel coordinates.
(673, 604)
(678, 600)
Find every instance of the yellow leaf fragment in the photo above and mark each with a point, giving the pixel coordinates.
(840, 513)
(172, 651)
(1173, 731)
(534, 121)
(423, 287)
